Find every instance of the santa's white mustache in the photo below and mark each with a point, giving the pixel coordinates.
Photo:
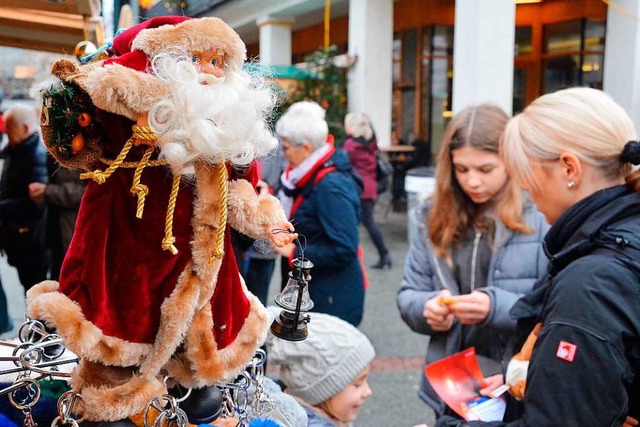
(209, 79)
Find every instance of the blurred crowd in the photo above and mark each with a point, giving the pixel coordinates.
(530, 235)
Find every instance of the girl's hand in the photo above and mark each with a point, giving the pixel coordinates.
(471, 309)
(491, 383)
(437, 313)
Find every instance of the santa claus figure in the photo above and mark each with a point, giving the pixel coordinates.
(167, 129)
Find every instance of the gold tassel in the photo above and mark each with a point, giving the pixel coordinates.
(143, 133)
(218, 251)
(138, 189)
(169, 240)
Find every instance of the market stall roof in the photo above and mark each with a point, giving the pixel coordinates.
(48, 25)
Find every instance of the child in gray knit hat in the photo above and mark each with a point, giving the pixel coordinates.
(327, 372)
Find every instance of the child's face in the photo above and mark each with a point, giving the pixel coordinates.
(345, 405)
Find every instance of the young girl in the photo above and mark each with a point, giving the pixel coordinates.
(327, 372)
(478, 251)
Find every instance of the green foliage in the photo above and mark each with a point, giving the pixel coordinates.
(327, 86)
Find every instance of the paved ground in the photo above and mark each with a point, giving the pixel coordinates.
(396, 370)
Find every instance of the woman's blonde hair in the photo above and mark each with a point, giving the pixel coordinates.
(583, 121)
(478, 127)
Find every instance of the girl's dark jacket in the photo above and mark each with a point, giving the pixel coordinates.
(585, 363)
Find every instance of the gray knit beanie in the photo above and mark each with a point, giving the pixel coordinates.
(325, 363)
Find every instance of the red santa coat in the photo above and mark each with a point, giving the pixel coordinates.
(123, 301)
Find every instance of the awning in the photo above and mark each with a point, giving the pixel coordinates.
(49, 25)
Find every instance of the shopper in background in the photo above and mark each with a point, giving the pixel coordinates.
(23, 220)
(477, 252)
(362, 147)
(62, 197)
(321, 193)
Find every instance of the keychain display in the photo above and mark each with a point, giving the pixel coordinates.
(39, 357)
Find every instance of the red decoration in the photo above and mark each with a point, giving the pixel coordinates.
(84, 119)
(77, 143)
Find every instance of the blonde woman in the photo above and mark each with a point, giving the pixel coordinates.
(573, 151)
(478, 250)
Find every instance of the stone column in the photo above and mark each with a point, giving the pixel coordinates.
(622, 57)
(275, 41)
(370, 78)
(483, 53)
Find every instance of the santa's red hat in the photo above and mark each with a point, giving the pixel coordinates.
(123, 86)
(149, 38)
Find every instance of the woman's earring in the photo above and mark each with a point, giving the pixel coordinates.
(571, 184)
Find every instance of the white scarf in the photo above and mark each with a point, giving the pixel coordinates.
(291, 177)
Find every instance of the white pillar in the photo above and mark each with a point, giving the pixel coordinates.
(622, 58)
(483, 53)
(275, 41)
(370, 79)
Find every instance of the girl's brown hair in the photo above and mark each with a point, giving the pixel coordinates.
(452, 213)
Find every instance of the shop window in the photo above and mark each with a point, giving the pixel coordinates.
(437, 83)
(573, 55)
(523, 64)
(523, 43)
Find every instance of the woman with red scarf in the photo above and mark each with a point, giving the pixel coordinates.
(321, 194)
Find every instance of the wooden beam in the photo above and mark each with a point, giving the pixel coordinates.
(70, 7)
(39, 45)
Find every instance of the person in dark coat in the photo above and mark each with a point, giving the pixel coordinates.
(23, 221)
(573, 151)
(322, 196)
(62, 196)
(362, 147)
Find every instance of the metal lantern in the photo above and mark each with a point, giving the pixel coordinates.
(291, 323)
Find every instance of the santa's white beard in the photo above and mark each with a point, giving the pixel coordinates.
(222, 120)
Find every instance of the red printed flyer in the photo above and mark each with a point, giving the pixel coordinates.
(457, 379)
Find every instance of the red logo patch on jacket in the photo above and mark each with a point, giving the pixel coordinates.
(566, 351)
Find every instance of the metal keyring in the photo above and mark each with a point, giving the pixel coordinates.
(28, 382)
(65, 407)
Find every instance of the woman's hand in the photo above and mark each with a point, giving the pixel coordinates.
(437, 313)
(471, 309)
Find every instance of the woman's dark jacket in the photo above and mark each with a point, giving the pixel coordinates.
(589, 304)
(328, 218)
(23, 221)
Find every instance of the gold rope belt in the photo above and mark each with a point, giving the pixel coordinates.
(144, 133)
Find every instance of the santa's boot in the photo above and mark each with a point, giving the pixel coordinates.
(202, 406)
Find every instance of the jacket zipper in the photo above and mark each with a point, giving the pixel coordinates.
(474, 259)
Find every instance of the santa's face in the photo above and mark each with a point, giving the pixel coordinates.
(210, 65)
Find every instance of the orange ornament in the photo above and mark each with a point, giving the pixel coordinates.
(77, 143)
(84, 119)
